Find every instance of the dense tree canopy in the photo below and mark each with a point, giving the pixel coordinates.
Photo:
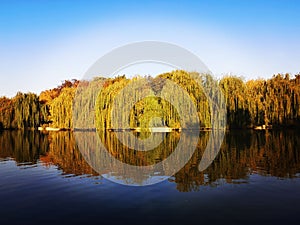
(22, 111)
(262, 102)
(272, 102)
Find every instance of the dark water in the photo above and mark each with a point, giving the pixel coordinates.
(45, 179)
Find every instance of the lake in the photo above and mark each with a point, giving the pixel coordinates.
(46, 179)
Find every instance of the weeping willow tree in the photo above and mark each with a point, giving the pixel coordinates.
(105, 99)
(154, 112)
(196, 92)
(56, 105)
(26, 111)
(147, 99)
(274, 101)
(6, 113)
(262, 102)
(234, 90)
(84, 103)
(21, 112)
(61, 109)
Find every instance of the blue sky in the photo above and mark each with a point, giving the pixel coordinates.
(45, 42)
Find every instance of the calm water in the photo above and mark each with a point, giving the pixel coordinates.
(45, 179)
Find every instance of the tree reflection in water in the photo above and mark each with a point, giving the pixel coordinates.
(267, 153)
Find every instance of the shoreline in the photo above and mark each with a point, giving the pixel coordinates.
(152, 129)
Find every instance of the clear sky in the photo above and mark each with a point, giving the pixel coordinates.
(45, 42)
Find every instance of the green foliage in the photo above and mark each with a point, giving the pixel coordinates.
(104, 101)
(61, 109)
(22, 111)
(51, 100)
(85, 99)
(275, 102)
(262, 102)
(26, 111)
(196, 92)
(152, 110)
(6, 113)
(237, 109)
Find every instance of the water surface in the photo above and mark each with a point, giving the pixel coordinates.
(45, 179)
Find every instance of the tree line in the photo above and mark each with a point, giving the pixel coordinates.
(261, 102)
